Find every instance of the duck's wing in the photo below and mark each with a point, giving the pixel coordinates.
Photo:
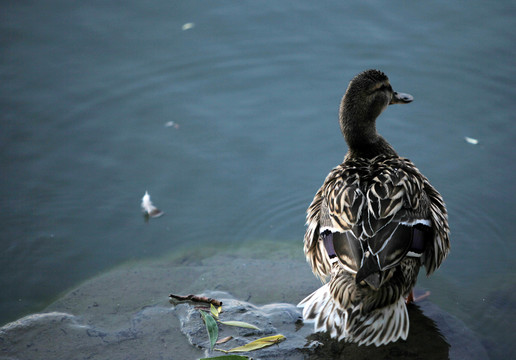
(340, 194)
(439, 247)
(315, 252)
(425, 199)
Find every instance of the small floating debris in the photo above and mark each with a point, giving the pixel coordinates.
(172, 124)
(188, 26)
(148, 208)
(470, 140)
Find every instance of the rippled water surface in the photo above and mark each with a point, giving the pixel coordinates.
(231, 124)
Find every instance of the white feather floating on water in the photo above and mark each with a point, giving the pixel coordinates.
(149, 208)
(470, 140)
(172, 123)
(188, 26)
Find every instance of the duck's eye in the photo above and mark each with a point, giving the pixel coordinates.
(385, 87)
(382, 88)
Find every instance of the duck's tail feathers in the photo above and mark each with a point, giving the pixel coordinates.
(319, 307)
(378, 327)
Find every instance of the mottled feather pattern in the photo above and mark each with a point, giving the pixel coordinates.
(439, 248)
(394, 184)
(346, 292)
(381, 220)
(314, 248)
(364, 196)
(356, 320)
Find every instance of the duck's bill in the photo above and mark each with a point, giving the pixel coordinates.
(401, 98)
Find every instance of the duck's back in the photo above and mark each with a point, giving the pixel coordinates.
(370, 210)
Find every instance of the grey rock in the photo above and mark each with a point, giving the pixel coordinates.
(126, 314)
(58, 335)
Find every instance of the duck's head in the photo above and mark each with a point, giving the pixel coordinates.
(367, 95)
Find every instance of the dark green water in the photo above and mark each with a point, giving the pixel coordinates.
(88, 90)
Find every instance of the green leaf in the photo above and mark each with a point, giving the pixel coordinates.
(239, 324)
(257, 344)
(211, 327)
(228, 357)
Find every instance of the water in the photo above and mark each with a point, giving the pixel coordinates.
(88, 90)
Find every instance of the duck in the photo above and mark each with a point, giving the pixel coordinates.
(371, 226)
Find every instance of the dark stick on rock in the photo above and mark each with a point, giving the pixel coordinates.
(196, 298)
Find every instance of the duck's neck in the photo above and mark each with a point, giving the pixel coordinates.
(363, 140)
(370, 150)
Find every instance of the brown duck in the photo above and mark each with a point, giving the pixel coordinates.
(373, 223)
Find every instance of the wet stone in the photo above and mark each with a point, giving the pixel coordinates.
(271, 319)
(126, 314)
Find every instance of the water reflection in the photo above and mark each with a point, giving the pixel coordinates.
(426, 340)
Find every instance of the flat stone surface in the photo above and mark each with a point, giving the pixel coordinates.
(126, 314)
